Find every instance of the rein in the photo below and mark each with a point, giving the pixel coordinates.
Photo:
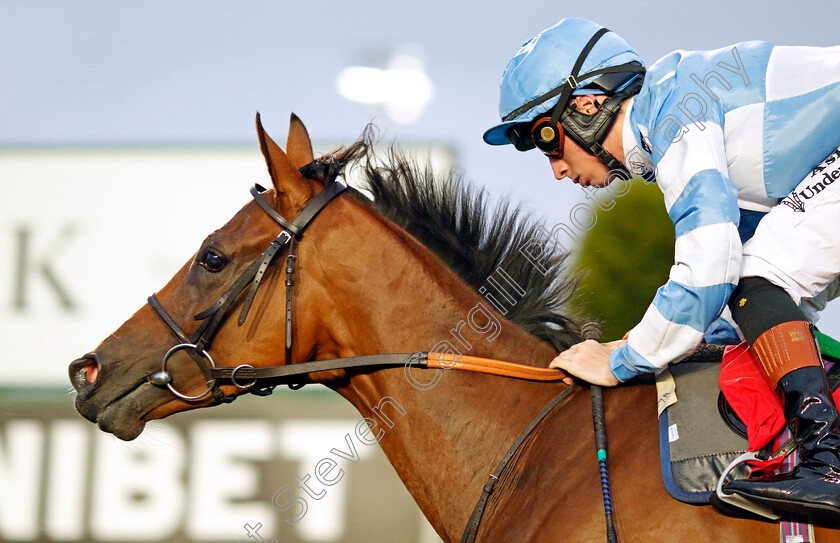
(261, 381)
(298, 374)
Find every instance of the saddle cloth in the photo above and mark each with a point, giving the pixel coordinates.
(696, 445)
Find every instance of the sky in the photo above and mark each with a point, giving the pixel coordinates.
(118, 72)
(93, 72)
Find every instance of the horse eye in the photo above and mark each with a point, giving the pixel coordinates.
(212, 261)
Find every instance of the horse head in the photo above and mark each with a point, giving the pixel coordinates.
(158, 362)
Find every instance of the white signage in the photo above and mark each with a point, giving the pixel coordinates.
(64, 480)
(86, 235)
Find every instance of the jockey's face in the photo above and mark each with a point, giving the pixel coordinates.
(580, 166)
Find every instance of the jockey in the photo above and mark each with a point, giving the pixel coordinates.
(734, 136)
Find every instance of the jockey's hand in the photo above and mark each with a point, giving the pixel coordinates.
(589, 361)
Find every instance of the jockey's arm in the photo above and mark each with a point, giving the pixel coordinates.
(702, 203)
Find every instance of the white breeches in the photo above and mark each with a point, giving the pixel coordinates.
(797, 244)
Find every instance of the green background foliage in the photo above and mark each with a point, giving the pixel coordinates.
(623, 259)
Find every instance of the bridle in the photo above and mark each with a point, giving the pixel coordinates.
(261, 381)
(214, 316)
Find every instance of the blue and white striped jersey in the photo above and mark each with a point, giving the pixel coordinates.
(726, 133)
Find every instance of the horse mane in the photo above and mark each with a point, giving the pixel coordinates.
(453, 219)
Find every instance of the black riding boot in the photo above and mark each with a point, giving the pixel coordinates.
(812, 489)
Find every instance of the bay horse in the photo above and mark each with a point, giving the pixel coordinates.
(405, 272)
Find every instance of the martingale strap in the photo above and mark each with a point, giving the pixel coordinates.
(474, 521)
(589, 330)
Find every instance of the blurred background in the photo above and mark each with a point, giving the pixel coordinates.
(127, 135)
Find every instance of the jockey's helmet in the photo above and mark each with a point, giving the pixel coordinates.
(573, 57)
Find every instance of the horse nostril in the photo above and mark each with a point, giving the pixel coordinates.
(84, 371)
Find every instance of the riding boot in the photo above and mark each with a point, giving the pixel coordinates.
(788, 354)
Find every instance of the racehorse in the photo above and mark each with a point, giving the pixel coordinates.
(408, 271)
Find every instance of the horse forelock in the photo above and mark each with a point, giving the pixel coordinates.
(453, 219)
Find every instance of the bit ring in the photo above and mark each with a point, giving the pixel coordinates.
(204, 354)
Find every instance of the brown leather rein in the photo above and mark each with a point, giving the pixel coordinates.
(262, 380)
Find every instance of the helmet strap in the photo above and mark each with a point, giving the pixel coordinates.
(590, 131)
(568, 86)
(571, 82)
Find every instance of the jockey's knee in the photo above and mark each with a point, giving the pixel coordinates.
(758, 305)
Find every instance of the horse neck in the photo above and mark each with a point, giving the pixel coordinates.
(443, 431)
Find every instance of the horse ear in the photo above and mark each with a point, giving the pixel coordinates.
(284, 175)
(299, 146)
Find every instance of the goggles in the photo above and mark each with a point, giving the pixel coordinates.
(541, 134)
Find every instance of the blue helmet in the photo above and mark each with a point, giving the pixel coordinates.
(573, 57)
